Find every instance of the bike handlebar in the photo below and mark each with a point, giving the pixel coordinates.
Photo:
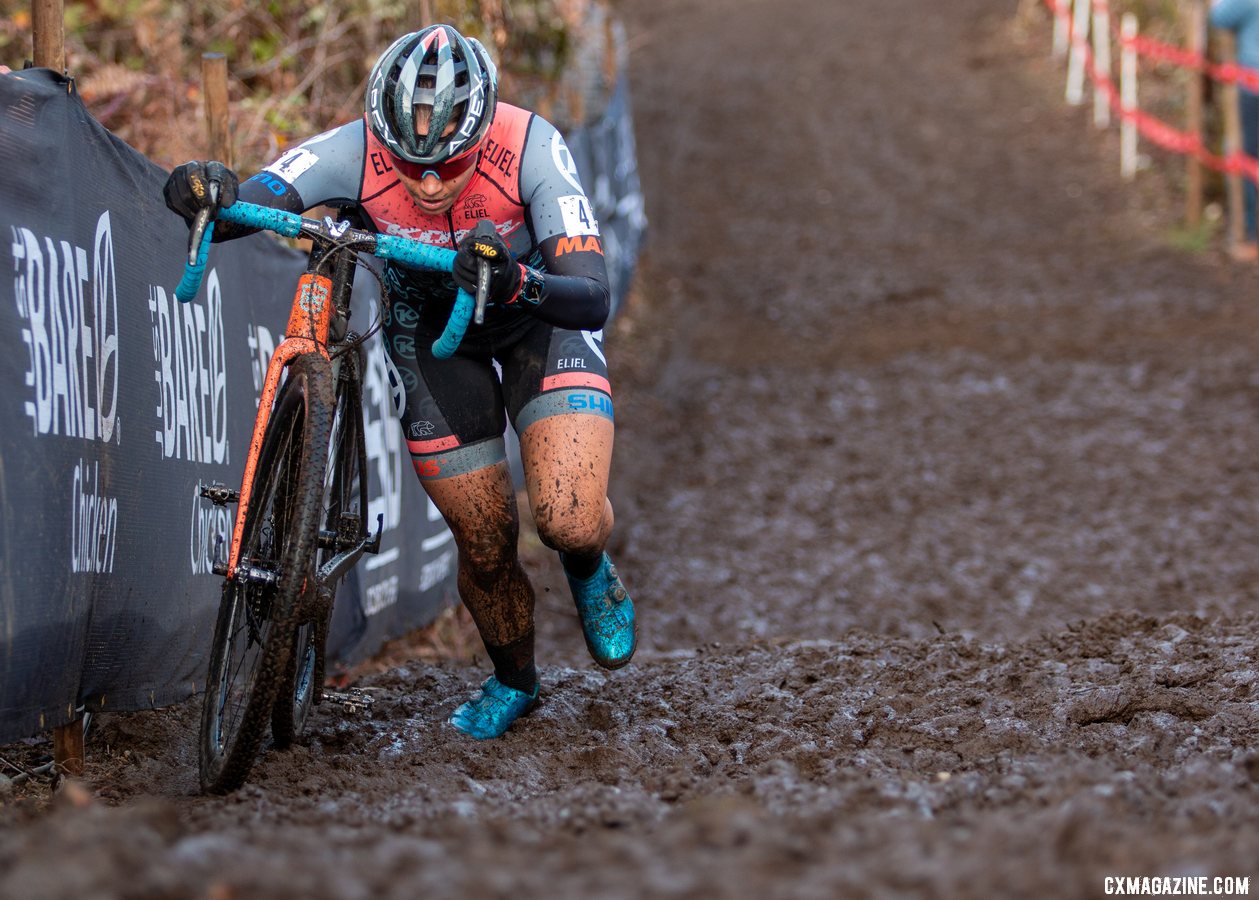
(406, 251)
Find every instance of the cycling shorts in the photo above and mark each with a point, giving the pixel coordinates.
(454, 411)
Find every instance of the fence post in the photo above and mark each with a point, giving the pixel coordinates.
(1061, 17)
(1103, 88)
(67, 748)
(1195, 25)
(426, 13)
(1079, 53)
(1128, 97)
(48, 34)
(214, 89)
(1232, 145)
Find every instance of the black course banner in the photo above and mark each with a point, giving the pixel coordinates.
(118, 402)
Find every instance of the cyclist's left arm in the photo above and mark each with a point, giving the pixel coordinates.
(574, 291)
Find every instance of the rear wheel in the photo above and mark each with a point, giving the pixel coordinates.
(341, 520)
(254, 632)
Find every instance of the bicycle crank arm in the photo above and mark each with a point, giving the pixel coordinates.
(336, 567)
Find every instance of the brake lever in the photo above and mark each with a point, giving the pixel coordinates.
(482, 290)
(483, 228)
(200, 223)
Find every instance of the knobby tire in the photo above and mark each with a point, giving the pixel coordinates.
(254, 632)
(344, 491)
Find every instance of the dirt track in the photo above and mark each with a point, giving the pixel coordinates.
(936, 488)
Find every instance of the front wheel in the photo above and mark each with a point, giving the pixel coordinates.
(254, 632)
(342, 521)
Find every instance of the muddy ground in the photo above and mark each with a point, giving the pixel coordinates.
(937, 490)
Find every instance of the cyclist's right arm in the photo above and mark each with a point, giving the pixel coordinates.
(324, 170)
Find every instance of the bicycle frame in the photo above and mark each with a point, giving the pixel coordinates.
(306, 333)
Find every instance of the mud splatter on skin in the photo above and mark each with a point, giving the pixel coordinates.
(1042, 447)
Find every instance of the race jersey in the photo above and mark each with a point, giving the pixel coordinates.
(525, 182)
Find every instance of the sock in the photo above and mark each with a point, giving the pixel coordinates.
(580, 567)
(514, 665)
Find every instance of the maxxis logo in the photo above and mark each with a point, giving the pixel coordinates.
(68, 301)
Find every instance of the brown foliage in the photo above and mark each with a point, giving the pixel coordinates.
(294, 68)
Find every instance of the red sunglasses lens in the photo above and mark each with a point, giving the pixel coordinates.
(445, 171)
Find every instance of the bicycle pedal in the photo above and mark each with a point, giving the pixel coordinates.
(352, 701)
(219, 494)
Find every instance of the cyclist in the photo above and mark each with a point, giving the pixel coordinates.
(434, 154)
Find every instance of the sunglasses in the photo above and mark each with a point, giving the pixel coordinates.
(445, 171)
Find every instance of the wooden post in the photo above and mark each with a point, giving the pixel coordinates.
(1128, 97)
(1062, 15)
(1196, 27)
(427, 16)
(1232, 145)
(48, 34)
(1102, 92)
(67, 748)
(1078, 59)
(214, 87)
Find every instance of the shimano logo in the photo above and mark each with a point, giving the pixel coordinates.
(68, 301)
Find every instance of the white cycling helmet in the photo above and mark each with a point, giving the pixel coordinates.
(464, 91)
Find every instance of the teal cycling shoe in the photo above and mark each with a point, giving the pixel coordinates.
(492, 712)
(607, 615)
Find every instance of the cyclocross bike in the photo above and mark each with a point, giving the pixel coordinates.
(301, 510)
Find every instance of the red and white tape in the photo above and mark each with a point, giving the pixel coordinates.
(1152, 128)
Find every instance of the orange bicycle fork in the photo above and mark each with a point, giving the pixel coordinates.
(307, 332)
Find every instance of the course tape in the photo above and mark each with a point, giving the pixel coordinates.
(1152, 128)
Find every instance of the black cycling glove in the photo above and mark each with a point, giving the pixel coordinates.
(506, 274)
(187, 190)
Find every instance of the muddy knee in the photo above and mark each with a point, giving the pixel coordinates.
(581, 531)
(489, 554)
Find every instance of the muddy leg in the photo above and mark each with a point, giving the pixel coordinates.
(480, 508)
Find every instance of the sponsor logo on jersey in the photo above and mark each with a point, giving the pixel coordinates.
(475, 207)
(498, 156)
(568, 245)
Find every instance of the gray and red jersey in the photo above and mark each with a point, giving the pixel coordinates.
(453, 412)
(525, 182)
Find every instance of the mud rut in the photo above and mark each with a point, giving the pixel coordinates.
(937, 488)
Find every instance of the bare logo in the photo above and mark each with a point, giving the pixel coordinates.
(190, 368)
(70, 308)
